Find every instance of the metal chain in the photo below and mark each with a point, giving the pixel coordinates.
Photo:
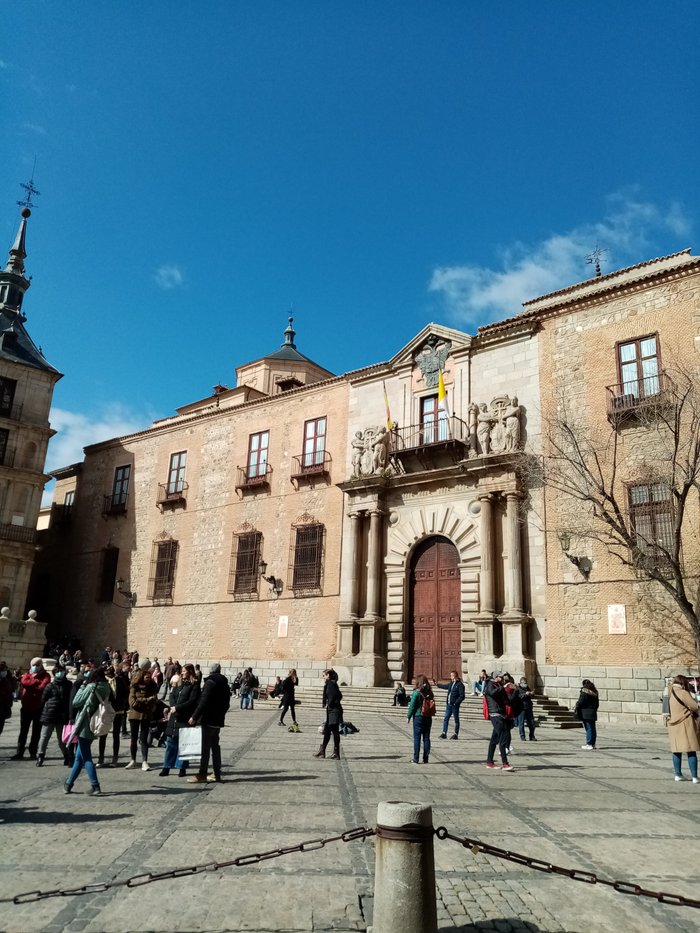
(587, 877)
(310, 845)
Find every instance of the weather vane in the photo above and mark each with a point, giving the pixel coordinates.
(30, 189)
(595, 258)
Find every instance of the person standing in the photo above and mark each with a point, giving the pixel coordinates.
(455, 697)
(586, 709)
(55, 713)
(526, 716)
(183, 702)
(86, 701)
(422, 722)
(33, 684)
(211, 713)
(496, 700)
(288, 699)
(8, 685)
(118, 680)
(142, 705)
(683, 727)
(334, 714)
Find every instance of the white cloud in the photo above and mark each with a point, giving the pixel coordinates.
(477, 294)
(35, 128)
(3, 64)
(168, 276)
(76, 430)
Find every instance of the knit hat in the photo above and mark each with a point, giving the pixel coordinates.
(214, 668)
(145, 665)
(495, 674)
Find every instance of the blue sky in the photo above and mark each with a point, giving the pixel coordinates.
(374, 165)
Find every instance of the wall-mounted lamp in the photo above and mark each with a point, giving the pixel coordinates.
(584, 565)
(276, 585)
(127, 594)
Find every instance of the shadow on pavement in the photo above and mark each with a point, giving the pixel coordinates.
(34, 815)
(280, 778)
(501, 923)
(377, 757)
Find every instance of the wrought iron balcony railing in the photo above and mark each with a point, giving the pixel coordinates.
(317, 463)
(252, 477)
(114, 505)
(172, 493)
(639, 396)
(18, 533)
(446, 430)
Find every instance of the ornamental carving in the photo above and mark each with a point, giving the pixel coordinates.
(495, 429)
(370, 452)
(431, 358)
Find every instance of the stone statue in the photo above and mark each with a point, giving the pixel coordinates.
(370, 451)
(380, 450)
(485, 422)
(511, 417)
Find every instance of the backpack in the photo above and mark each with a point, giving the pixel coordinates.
(254, 682)
(428, 707)
(102, 719)
(514, 706)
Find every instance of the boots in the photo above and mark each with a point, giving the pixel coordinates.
(336, 752)
(39, 760)
(321, 753)
(95, 790)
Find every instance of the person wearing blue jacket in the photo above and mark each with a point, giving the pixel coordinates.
(455, 697)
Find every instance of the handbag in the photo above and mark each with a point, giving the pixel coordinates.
(68, 734)
(189, 742)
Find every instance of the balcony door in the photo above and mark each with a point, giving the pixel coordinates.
(435, 641)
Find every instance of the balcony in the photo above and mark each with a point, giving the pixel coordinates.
(254, 478)
(639, 399)
(172, 495)
(114, 505)
(431, 446)
(18, 533)
(311, 466)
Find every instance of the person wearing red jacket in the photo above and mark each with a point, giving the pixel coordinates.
(33, 684)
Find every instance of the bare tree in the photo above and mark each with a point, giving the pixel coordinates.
(634, 490)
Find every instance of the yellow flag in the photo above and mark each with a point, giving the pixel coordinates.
(389, 422)
(442, 396)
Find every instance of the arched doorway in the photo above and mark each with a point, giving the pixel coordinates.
(435, 640)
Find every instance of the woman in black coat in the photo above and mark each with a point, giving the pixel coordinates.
(288, 699)
(334, 714)
(183, 701)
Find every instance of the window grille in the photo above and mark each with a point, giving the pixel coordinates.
(246, 552)
(306, 558)
(163, 562)
(108, 574)
(651, 519)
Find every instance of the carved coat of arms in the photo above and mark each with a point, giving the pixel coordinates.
(431, 359)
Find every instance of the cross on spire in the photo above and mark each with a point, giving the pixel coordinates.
(595, 259)
(31, 192)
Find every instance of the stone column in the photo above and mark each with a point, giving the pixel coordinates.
(353, 563)
(487, 582)
(350, 587)
(515, 556)
(374, 564)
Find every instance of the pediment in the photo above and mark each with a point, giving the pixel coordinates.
(435, 334)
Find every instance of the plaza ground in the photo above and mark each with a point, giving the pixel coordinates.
(616, 811)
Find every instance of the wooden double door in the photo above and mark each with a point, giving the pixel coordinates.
(435, 638)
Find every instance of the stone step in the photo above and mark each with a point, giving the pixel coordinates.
(368, 700)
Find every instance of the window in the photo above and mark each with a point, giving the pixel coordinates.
(163, 561)
(257, 454)
(651, 518)
(245, 557)
(433, 421)
(4, 436)
(639, 366)
(176, 473)
(307, 557)
(69, 498)
(7, 396)
(314, 443)
(108, 574)
(120, 489)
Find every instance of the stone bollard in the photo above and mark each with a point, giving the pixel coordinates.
(404, 875)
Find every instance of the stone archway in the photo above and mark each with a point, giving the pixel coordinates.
(434, 631)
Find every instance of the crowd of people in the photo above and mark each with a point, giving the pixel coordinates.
(147, 704)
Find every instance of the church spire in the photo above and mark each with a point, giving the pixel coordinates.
(289, 335)
(18, 250)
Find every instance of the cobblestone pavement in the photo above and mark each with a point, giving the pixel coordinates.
(615, 811)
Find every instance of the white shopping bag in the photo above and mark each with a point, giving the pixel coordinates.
(189, 742)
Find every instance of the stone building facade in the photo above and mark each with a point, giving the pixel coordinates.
(401, 526)
(27, 382)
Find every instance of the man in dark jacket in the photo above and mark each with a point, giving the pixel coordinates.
(455, 696)
(496, 699)
(211, 712)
